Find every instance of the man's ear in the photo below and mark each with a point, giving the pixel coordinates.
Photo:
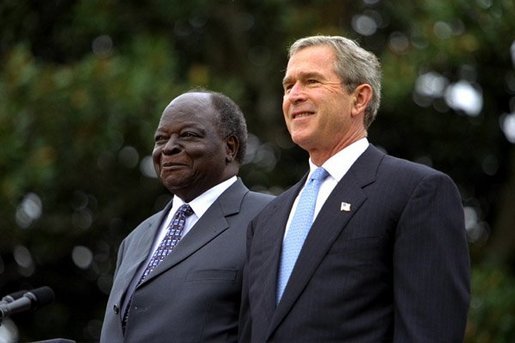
(361, 98)
(231, 148)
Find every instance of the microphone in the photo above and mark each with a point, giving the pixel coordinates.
(28, 301)
(9, 298)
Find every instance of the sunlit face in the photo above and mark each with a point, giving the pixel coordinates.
(189, 153)
(316, 106)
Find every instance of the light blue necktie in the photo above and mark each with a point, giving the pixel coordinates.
(299, 228)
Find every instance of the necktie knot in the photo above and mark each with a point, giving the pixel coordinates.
(319, 175)
(185, 210)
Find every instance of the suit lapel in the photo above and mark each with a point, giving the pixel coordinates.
(140, 246)
(330, 221)
(139, 253)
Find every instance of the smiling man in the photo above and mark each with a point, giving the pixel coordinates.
(179, 273)
(366, 247)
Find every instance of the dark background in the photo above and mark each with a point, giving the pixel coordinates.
(83, 84)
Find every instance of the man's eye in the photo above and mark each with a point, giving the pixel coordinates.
(160, 139)
(311, 81)
(189, 134)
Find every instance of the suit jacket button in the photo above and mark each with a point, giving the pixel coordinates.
(116, 309)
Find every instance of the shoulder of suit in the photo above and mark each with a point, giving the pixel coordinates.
(409, 166)
(258, 197)
(405, 173)
(397, 164)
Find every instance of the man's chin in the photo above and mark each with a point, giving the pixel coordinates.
(175, 181)
(302, 140)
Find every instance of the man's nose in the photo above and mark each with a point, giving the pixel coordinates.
(296, 93)
(172, 146)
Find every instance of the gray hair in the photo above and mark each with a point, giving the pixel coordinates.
(232, 122)
(354, 65)
(231, 119)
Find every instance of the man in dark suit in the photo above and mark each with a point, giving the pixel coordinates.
(178, 274)
(384, 255)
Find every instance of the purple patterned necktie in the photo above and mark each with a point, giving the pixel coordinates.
(172, 237)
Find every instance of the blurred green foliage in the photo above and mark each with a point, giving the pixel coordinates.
(492, 314)
(83, 84)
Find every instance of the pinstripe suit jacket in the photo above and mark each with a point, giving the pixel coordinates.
(394, 267)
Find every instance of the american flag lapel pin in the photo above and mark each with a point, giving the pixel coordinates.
(345, 206)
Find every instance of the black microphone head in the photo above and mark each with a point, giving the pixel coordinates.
(41, 296)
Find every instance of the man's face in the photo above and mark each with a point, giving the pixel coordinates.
(316, 106)
(189, 154)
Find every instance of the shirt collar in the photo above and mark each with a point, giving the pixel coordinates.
(201, 203)
(338, 164)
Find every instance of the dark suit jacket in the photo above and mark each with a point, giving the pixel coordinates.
(194, 294)
(393, 267)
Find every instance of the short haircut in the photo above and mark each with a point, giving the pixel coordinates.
(232, 121)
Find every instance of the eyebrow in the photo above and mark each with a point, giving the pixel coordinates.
(302, 75)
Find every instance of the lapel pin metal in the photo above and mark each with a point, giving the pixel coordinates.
(345, 206)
